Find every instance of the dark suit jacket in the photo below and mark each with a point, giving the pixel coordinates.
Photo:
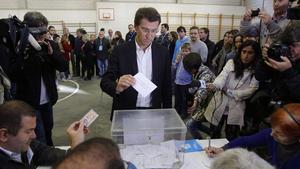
(123, 61)
(43, 155)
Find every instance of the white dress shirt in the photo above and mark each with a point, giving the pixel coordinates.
(144, 63)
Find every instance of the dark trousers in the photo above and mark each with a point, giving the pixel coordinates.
(181, 92)
(231, 131)
(78, 57)
(44, 125)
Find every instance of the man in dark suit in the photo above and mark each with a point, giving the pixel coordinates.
(140, 56)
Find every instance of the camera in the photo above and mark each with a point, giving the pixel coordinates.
(255, 13)
(293, 13)
(276, 50)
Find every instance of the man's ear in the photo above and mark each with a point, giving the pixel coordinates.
(3, 134)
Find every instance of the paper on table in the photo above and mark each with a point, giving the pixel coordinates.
(143, 85)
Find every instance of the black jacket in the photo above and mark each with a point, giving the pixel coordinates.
(123, 61)
(27, 72)
(105, 48)
(284, 86)
(43, 155)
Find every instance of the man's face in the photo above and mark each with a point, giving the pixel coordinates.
(280, 6)
(110, 32)
(202, 35)
(194, 35)
(21, 142)
(181, 34)
(163, 29)
(130, 28)
(295, 51)
(146, 32)
(101, 34)
(52, 31)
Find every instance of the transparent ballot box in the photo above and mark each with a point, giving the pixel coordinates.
(152, 138)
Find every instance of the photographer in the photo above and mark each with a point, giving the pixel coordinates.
(269, 27)
(279, 76)
(34, 73)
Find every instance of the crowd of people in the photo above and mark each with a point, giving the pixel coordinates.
(249, 77)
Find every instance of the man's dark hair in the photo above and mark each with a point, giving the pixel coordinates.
(181, 28)
(51, 27)
(35, 19)
(148, 13)
(102, 29)
(165, 25)
(194, 27)
(92, 153)
(11, 113)
(192, 61)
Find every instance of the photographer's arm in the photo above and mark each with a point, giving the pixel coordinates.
(56, 59)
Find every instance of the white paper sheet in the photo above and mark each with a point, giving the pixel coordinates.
(143, 85)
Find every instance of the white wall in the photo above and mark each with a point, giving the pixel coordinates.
(124, 12)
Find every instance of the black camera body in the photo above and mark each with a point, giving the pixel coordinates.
(276, 50)
(293, 13)
(255, 13)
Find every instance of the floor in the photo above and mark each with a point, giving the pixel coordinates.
(70, 108)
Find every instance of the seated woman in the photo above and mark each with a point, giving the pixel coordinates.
(282, 140)
(232, 87)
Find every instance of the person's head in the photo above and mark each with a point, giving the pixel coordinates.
(110, 32)
(204, 34)
(173, 36)
(102, 29)
(185, 49)
(17, 124)
(66, 30)
(52, 30)
(146, 22)
(131, 28)
(237, 41)
(194, 33)
(228, 38)
(56, 38)
(192, 62)
(181, 32)
(79, 32)
(239, 158)
(247, 56)
(280, 7)
(118, 35)
(37, 24)
(164, 28)
(85, 37)
(101, 34)
(100, 153)
(285, 122)
(92, 37)
(291, 36)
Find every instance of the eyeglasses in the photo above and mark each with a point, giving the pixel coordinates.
(146, 30)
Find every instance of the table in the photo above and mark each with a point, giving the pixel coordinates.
(194, 160)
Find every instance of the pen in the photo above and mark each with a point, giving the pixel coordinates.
(209, 142)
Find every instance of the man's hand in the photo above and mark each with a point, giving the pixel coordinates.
(213, 151)
(193, 107)
(76, 132)
(247, 15)
(265, 17)
(280, 66)
(124, 82)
